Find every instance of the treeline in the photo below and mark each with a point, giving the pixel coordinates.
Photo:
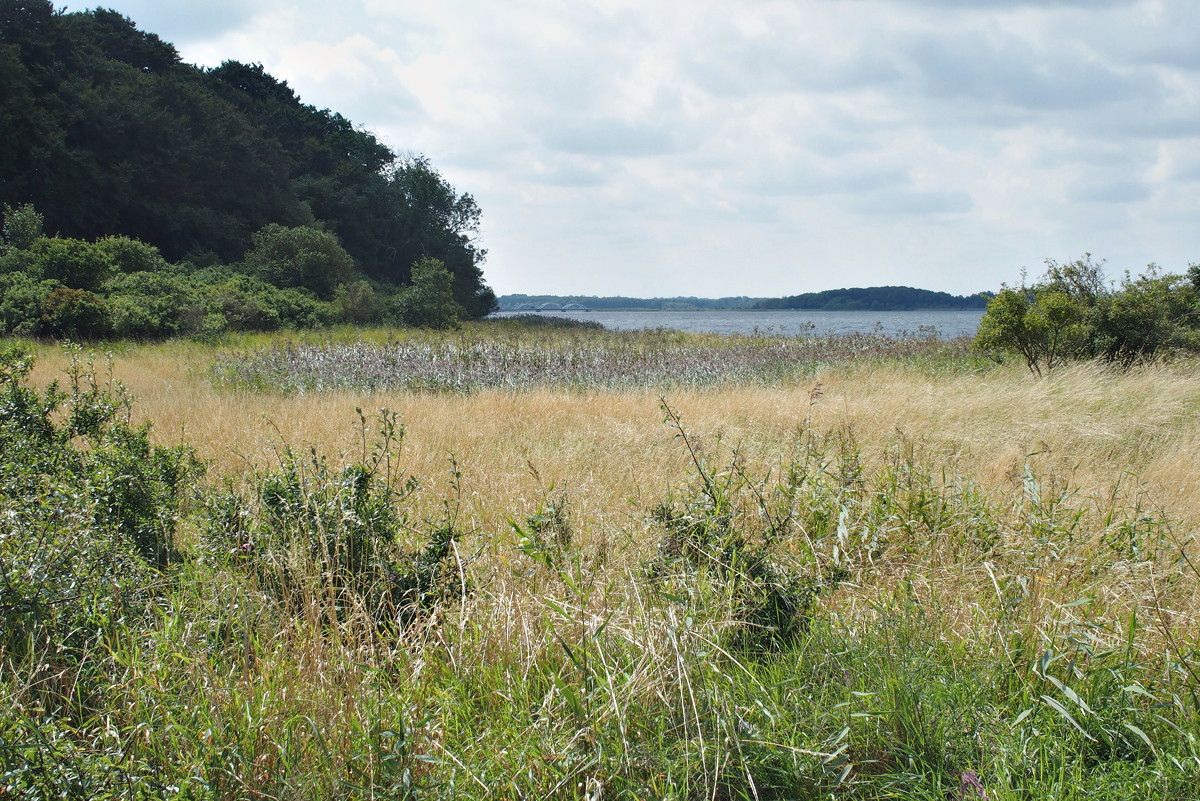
(107, 133)
(878, 298)
(523, 302)
(118, 287)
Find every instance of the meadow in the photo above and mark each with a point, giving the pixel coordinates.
(514, 562)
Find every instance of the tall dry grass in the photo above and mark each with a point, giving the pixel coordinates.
(1098, 427)
(965, 582)
(1111, 438)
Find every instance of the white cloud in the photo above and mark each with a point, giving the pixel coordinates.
(758, 146)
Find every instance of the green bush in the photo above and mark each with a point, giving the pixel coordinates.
(22, 227)
(1073, 313)
(149, 305)
(725, 537)
(33, 307)
(301, 257)
(429, 301)
(74, 262)
(74, 313)
(357, 303)
(22, 299)
(131, 255)
(249, 304)
(1150, 314)
(89, 505)
(311, 532)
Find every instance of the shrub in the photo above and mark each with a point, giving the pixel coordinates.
(724, 537)
(131, 255)
(74, 262)
(90, 507)
(22, 298)
(74, 313)
(22, 227)
(152, 304)
(1072, 313)
(357, 303)
(312, 532)
(302, 257)
(429, 301)
(248, 304)
(1149, 314)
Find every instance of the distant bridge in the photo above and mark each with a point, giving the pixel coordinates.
(548, 306)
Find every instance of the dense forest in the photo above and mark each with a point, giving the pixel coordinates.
(879, 298)
(215, 177)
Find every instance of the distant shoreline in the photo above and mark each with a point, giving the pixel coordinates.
(945, 323)
(858, 299)
(747, 310)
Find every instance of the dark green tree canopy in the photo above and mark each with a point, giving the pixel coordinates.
(107, 132)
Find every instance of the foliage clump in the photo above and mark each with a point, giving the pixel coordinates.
(1074, 313)
(429, 301)
(731, 530)
(118, 287)
(109, 134)
(308, 531)
(302, 257)
(90, 506)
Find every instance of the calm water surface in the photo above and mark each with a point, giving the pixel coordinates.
(946, 324)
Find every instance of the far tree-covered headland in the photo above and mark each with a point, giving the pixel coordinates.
(878, 298)
(126, 174)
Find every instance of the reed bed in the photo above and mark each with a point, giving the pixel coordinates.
(881, 577)
(601, 361)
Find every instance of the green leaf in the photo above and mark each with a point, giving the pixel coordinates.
(1142, 735)
(1062, 710)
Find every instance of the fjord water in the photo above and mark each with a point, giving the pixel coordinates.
(944, 324)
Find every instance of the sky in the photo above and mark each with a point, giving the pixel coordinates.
(748, 147)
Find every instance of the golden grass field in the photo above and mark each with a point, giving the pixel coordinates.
(1109, 437)
(1117, 447)
(1095, 426)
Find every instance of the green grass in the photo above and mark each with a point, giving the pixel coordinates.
(831, 628)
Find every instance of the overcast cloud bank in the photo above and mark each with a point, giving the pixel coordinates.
(761, 148)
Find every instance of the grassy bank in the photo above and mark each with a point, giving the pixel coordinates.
(898, 573)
